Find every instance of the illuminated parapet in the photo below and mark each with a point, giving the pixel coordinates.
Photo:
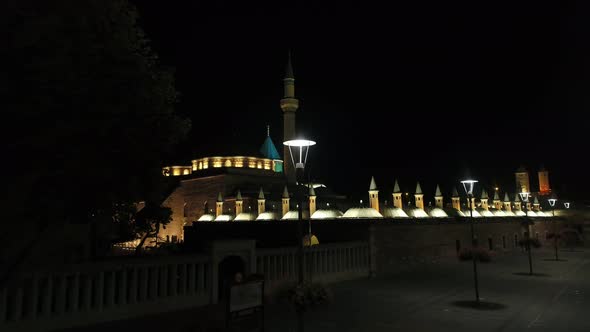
(272, 165)
(176, 170)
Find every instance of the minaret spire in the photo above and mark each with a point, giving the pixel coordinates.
(289, 105)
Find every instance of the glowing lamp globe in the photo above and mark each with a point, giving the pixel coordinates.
(298, 149)
(468, 185)
(567, 205)
(552, 201)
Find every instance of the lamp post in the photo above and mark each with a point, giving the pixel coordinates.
(524, 196)
(299, 149)
(552, 202)
(468, 185)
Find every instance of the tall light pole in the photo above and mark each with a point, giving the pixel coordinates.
(299, 150)
(468, 185)
(552, 202)
(524, 196)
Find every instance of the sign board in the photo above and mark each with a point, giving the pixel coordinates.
(246, 296)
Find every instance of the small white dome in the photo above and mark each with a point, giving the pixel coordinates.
(417, 213)
(394, 212)
(207, 217)
(326, 214)
(437, 213)
(498, 213)
(268, 216)
(484, 212)
(224, 217)
(294, 215)
(542, 214)
(519, 213)
(455, 213)
(473, 214)
(509, 213)
(245, 216)
(531, 214)
(362, 213)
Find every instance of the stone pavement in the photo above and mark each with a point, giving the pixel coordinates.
(424, 300)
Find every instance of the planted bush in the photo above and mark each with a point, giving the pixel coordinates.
(307, 295)
(483, 255)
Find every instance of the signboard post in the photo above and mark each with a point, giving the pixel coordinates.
(246, 305)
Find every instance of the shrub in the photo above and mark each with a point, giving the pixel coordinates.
(307, 295)
(483, 255)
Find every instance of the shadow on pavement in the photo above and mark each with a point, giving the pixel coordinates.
(481, 305)
(526, 274)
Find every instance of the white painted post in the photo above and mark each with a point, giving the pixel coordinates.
(173, 280)
(191, 278)
(154, 278)
(201, 277)
(122, 300)
(110, 284)
(143, 283)
(99, 289)
(164, 281)
(88, 291)
(74, 299)
(182, 278)
(60, 297)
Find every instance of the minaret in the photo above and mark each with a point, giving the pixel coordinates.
(312, 198)
(239, 203)
(285, 201)
(484, 200)
(373, 195)
(289, 105)
(517, 202)
(456, 199)
(497, 201)
(438, 198)
(507, 206)
(219, 205)
(522, 180)
(261, 202)
(397, 196)
(419, 196)
(544, 181)
(536, 204)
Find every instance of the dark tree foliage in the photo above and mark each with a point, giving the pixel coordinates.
(148, 222)
(89, 111)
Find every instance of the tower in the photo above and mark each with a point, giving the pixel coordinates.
(419, 196)
(522, 180)
(497, 201)
(289, 105)
(438, 198)
(239, 203)
(373, 195)
(544, 187)
(456, 199)
(285, 201)
(312, 198)
(536, 204)
(507, 206)
(219, 205)
(261, 202)
(397, 196)
(517, 205)
(484, 199)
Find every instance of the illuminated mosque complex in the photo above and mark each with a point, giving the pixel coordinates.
(254, 188)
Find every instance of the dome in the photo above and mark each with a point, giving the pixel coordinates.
(484, 212)
(519, 213)
(452, 212)
(473, 214)
(437, 213)
(294, 215)
(326, 214)
(362, 213)
(509, 213)
(531, 214)
(498, 213)
(268, 216)
(542, 214)
(224, 217)
(245, 216)
(207, 217)
(415, 212)
(394, 212)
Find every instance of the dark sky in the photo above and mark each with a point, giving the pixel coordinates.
(420, 90)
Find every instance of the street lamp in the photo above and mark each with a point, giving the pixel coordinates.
(299, 150)
(552, 202)
(524, 196)
(468, 185)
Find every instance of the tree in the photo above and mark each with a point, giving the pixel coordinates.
(90, 113)
(148, 222)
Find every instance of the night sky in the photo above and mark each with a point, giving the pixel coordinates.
(420, 90)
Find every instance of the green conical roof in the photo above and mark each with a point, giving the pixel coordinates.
(455, 193)
(484, 194)
(437, 193)
(373, 185)
(517, 197)
(496, 196)
(311, 191)
(285, 193)
(396, 187)
(418, 188)
(506, 198)
(219, 197)
(536, 200)
(268, 148)
(239, 195)
(261, 194)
